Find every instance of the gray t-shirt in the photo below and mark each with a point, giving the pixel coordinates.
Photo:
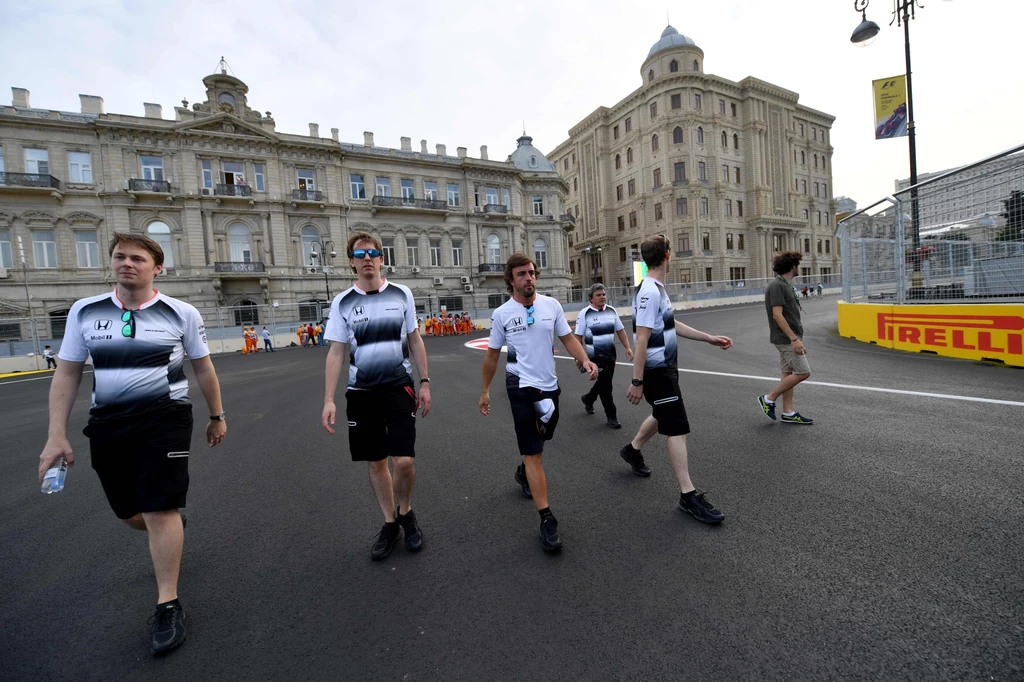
(780, 292)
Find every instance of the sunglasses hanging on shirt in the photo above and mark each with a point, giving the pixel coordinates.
(128, 330)
(529, 315)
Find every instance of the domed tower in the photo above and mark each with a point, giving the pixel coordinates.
(673, 53)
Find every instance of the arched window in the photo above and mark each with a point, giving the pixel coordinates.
(815, 160)
(650, 75)
(803, 159)
(494, 250)
(677, 135)
(654, 143)
(227, 97)
(246, 312)
(629, 155)
(700, 135)
(239, 246)
(161, 234)
(735, 141)
(575, 185)
(696, 67)
(310, 245)
(725, 140)
(618, 161)
(540, 253)
(673, 66)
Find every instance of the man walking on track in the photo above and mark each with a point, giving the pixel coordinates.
(597, 326)
(786, 333)
(656, 378)
(268, 346)
(140, 424)
(377, 320)
(528, 324)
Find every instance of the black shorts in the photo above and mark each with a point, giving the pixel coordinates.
(142, 461)
(531, 432)
(661, 390)
(381, 422)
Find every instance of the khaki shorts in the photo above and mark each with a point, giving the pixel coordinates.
(790, 362)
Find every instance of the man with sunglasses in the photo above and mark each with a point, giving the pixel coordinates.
(377, 319)
(527, 325)
(140, 424)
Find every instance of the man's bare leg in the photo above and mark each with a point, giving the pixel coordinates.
(537, 480)
(383, 488)
(405, 478)
(136, 522)
(677, 453)
(646, 432)
(784, 389)
(166, 540)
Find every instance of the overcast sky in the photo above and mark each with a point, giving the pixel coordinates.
(468, 73)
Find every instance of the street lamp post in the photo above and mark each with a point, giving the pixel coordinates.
(322, 256)
(903, 11)
(28, 297)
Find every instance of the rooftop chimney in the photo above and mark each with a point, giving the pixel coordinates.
(334, 134)
(153, 110)
(483, 152)
(20, 98)
(442, 150)
(461, 151)
(406, 144)
(91, 104)
(423, 147)
(314, 130)
(368, 139)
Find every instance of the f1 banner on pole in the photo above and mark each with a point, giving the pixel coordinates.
(890, 97)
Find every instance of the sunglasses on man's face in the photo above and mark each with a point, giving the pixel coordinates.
(359, 254)
(128, 330)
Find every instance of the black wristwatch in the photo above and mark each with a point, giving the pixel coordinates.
(219, 417)
(637, 382)
(424, 380)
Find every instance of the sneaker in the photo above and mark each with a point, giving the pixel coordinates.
(796, 418)
(635, 460)
(613, 423)
(549, 540)
(587, 405)
(698, 506)
(413, 534)
(769, 408)
(385, 542)
(167, 627)
(521, 480)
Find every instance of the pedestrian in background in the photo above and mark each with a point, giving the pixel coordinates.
(786, 333)
(597, 326)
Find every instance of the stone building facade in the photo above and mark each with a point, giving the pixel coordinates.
(730, 172)
(244, 211)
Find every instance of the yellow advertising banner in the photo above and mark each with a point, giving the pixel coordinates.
(973, 332)
(890, 97)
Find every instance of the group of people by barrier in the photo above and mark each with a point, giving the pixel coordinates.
(448, 324)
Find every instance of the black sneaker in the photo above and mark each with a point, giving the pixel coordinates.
(769, 408)
(413, 534)
(521, 480)
(635, 460)
(698, 506)
(549, 540)
(167, 627)
(613, 423)
(796, 418)
(385, 542)
(587, 405)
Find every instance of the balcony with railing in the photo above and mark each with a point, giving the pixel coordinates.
(38, 180)
(486, 268)
(568, 218)
(496, 208)
(141, 185)
(407, 203)
(238, 267)
(223, 190)
(307, 195)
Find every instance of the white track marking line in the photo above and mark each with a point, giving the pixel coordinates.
(850, 387)
(21, 381)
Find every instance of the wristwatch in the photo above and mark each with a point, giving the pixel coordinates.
(637, 382)
(424, 380)
(219, 417)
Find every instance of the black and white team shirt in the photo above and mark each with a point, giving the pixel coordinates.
(376, 325)
(598, 328)
(530, 356)
(141, 374)
(652, 308)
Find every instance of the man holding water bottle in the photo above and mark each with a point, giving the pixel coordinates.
(140, 424)
(527, 325)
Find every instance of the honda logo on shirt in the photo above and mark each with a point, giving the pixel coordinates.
(102, 325)
(517, 322)
(358, 310)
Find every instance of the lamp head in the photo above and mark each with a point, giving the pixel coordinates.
(865, 33)
(333, 254)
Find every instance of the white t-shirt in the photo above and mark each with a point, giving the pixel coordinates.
(598, 329)
(134, 375)
(530, 356)
(652, 308)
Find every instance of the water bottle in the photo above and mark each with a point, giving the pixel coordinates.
(53, 481)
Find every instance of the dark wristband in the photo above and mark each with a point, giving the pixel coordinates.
(424, 380)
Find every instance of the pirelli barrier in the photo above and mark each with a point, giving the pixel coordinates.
(972, 332)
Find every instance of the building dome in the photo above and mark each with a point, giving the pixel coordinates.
(528, 158)
(670, 38)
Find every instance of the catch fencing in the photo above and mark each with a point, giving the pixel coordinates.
(955, 237)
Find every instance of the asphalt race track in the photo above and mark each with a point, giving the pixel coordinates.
(882, 543)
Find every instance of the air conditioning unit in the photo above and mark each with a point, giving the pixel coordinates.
(478, 209)
(126, 185)
(464, 280)
(416, 269)
(390, 269)
(206, 191)
(311, 269)
(438, 281)
(3, 273)
(468, 288)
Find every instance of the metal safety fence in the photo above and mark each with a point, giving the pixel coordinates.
(953, 237)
